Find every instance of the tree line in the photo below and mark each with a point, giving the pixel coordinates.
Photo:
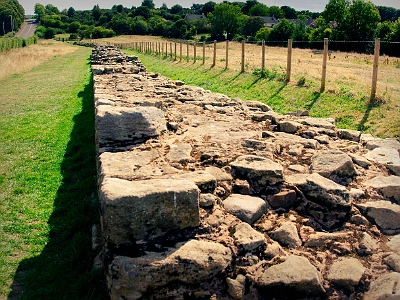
(12, 15)
(341, 20)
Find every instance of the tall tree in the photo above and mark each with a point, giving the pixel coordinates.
(39, 11)
(252, 25)
(148, 3)
(260, 9)
(362, 20)
(208, 7)
(249, 4)
(290, 13)
(226, 18)
(336, 10)
(276, 12)
(283, 31)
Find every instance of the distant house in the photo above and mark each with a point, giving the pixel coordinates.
(193, 17)
(308, 22)
(270, 22)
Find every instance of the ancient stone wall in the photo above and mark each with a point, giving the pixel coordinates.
(207, 197)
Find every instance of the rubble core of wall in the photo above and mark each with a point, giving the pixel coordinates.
(207, 197)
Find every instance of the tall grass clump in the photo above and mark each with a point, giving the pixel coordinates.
(8, 43)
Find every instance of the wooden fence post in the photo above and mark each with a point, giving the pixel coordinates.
(375, 70)
(180, 52)
(289, 60)
(175, 53)
(187, 52)
(204, 53)
(195, 51)
(215, 53)
(170, 50)
(324, 65)
(227, 54)
(263, 58)
(242, 70)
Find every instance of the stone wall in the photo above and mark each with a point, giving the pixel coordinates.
(207, 197)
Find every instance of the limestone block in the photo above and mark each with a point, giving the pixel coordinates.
(259, 170)
(180, 153)
(321, 190)
(127, 124)
(292, 139)
(393, 261)
(346, 273)
(283, 199)
(236, 287)
(348, 134)
(295, 276)
(247, 208)
(333, 162)
(385, 215)
(219, 174)
(204, 180)
(367, 245)
(287, 235)
(190, 262)
(320, 239)
(373, 143)
(386, 156)
(289, 126)
(135, 210)
(394, 243)
(248, 238)
(389, 186)
(319, 122)
(386, 286)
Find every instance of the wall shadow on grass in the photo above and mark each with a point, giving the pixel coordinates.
(314, 99)
(63, 270)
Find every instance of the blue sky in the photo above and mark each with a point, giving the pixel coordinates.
(312, 5)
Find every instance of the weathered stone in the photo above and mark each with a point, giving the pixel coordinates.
(394, 243)
(283, 199)
(259, 105)
(331, 162)
(320, 239)
(393, 261)
(274, 249)
(147, 209)
(346, 273)
(259, 145)
(180, 153)
(373, 143)
(389, 186)
(190, 262)
(321, 190)
(204, 180)
(219, 174)
(125, 165)
(384, 214)
(297, 168)
(367, 245)
(386, 286)
(287, 235)
(236, 287)
(348, 134)
(126, 124)
(247, 208)
(386, 156)
(295, 276)
(360, 160)
(356, 193)
(257, 170)
(210, 154)
(207, 200)
(318, 122)
(294, 139)
(289, 126)
(296, 150)
(248, 238)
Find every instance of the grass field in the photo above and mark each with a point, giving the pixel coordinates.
(48, 199)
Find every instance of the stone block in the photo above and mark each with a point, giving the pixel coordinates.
(247, 208)
(136, 210)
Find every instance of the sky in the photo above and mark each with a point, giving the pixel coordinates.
(311, 5)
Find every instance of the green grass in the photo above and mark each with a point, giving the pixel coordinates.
(48, 199)
(350, 111)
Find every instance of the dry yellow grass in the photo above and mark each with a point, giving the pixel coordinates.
(21, 60)
(346, 72)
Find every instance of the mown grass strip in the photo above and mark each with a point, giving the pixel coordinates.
(48, 199)
(351, 111)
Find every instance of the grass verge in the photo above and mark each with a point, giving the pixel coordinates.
(48, 182)
(350, 110)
